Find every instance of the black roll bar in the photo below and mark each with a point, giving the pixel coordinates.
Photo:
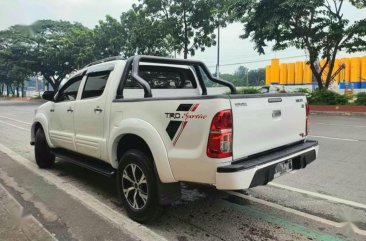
(135, 62)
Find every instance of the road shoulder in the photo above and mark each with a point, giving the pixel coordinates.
(55, 211)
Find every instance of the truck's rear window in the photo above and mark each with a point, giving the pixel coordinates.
(160, 77)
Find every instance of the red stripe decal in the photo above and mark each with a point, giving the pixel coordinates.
(195, 107)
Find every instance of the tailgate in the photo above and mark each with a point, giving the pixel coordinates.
(264, 122)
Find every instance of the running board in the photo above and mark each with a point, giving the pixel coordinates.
(90, 163)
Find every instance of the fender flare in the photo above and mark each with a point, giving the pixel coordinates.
(152, 138)
(42, 120)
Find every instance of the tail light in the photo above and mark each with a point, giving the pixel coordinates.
(220, 140)
(307, 119)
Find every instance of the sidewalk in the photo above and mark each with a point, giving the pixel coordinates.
(33, 208)
(340, 110)
(14, 226)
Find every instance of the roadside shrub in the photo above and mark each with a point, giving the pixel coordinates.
(327, 97)
(361, 99)
(248, 91)
(303, 91)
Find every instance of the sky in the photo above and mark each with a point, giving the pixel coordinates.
(233, 50)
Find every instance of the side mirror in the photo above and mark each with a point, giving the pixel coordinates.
(48, 95)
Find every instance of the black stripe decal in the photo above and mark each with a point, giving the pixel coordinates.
(172, 128)
(184, 107)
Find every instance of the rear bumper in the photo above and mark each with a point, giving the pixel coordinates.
(260, 170)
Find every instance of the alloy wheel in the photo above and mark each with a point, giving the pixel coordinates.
(134, 186)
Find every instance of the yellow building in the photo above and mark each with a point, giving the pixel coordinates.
(308, 75)
(337, 64)
(363, 72)
(290, 73)
(268, 74)
(355, 72)
(275, 71)
(299, 73)
(283, 74)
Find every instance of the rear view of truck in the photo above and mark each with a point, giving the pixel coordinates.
(269, 139)
(231, 141)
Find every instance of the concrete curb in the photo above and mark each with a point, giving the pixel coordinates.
(21, 99)
(338, 113)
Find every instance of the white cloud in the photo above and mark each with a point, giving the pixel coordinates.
(88, 12)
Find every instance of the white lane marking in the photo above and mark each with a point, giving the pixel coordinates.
(289, 210)
(9, 114)
(319, 195)
(23, 122)
(21, 128)
(334, 138)
(120, 220)
(299, 213)
(329, 124)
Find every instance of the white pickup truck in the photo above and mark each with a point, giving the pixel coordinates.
(150, 123)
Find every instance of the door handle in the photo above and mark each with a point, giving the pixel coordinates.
(70, 110)
(98, 109)
(52, 110)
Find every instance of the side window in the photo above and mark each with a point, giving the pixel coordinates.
(95, 84)
(69, 91)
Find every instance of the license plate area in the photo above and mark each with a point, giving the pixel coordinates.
(282, 168)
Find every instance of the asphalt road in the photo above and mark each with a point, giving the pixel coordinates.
(325, 201)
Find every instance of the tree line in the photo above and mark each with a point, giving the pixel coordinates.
(246, 77)
(53, 49)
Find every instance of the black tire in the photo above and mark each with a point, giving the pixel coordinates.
(142, 212)
(44, 157)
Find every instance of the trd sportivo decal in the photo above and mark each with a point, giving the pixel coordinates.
(178, 120)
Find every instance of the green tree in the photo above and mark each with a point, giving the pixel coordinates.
(135, 33)
(233, 79)
(189, 25)
(109, 38)
(239, 78)
(317, 26)
(256, 77)
(144, 35)
(55, 48)
(242, 73)
(14, 61)
(359, 3)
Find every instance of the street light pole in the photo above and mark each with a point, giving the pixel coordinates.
(218, 52)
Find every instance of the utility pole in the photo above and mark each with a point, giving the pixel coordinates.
(247, 77)
(218, 52)
(36, 85)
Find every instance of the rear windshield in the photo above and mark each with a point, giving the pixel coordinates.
(161, 77)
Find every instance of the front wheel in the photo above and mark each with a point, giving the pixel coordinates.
(43, 155)
(137, 186)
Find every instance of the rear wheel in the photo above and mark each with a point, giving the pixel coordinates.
(44, 157)
(137, 186)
